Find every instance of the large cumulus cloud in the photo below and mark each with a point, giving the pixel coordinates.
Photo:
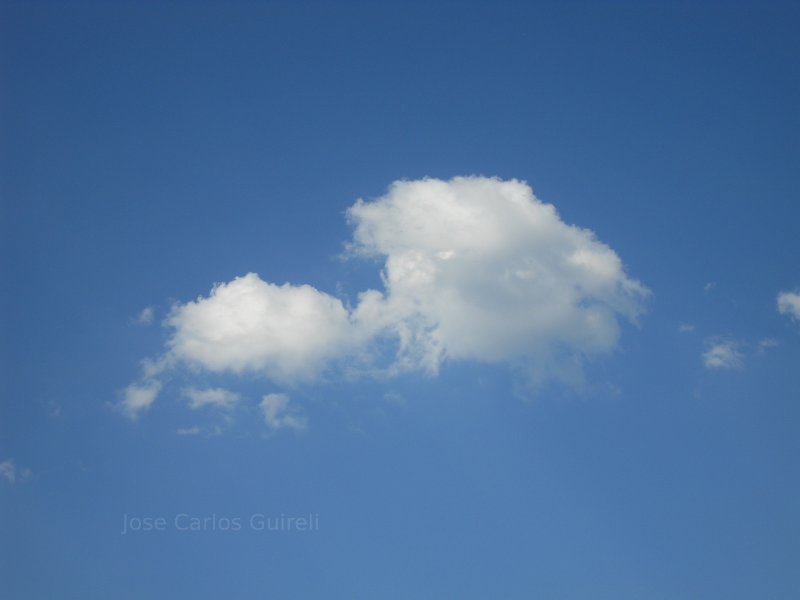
(478, 268)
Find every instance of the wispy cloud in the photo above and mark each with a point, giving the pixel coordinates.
(789, 304)
(218, 397)
(279, 414)
(395, 398)
(138, 397)
(188, 430)
(145, 317)
(766, 344)
(11, 473)
(723, 354)
(53, 409)
(685, 328)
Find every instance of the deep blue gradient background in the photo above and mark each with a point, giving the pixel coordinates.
(152, 149)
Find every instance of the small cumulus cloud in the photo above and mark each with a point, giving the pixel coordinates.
(789, 304)
(723, 354)
(287, 332)
(279, 414)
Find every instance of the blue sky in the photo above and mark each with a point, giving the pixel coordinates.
(598, 402)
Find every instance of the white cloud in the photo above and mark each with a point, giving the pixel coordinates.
(287, 332)
(138, 397)
(789, 304)
(219, 397)
(685, 328)
(723, 354)
(10, 472)
(278, 414)
(146, 316)
(474, 268)
(479, 269)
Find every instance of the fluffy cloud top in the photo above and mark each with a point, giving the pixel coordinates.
(474, 268)
(723, 354)
(287, 332)
(789, 304)
(478, 268)
(278, 414)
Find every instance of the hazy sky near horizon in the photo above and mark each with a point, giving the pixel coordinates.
(467, 300)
